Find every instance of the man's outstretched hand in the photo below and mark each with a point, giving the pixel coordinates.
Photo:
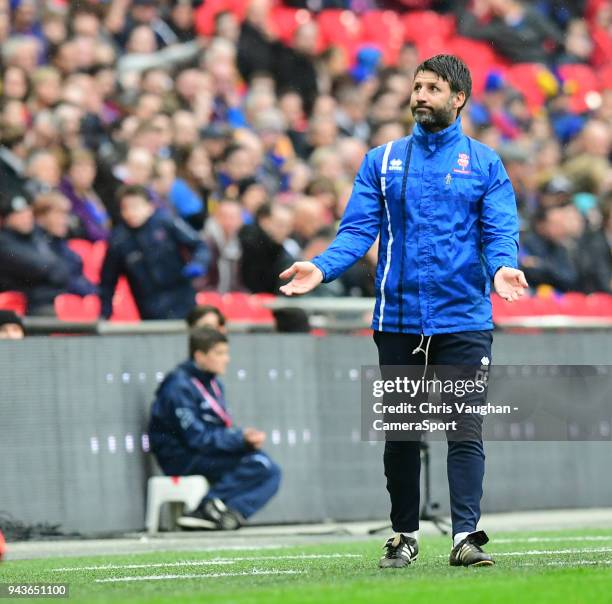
(510, 283)
(306, 276)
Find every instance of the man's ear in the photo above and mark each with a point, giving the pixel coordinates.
(459, 99)
(197, 357)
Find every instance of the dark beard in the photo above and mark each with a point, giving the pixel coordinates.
(436, 119)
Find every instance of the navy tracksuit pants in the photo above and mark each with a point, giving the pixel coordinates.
(465, 460)
(244, 482)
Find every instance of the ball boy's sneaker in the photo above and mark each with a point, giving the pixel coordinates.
(212, 515)
(468, 552)
(400, 551)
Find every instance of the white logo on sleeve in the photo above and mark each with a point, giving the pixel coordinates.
(396, 164)
(485, 361)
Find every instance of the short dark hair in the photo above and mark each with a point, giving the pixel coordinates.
(200, 311)
(203, 339)
(10, 317)
(133, 191)
(452, 70)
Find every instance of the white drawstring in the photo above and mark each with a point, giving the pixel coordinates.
(425, 350)
(419, 346)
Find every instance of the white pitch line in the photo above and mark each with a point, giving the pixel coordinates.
(552, 539)
(214, 561)
(569, 563)
(199, 576)
(555, 552)
(549, 552)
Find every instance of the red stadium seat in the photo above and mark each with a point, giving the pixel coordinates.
(82, 247)
(124, 307)
(524, 77)
(236, 306)
(580, 80)
(69, 307)
(285, 20)
(204, 17)
(92, 255)
(384, 29)
(211, 298)
(340, 28)
(431, 46)
(15, 301)
(420, 25)
(481, 58)
(529, 306)
(573, 304)
(599, 305)
(259, 312)
(605, 76)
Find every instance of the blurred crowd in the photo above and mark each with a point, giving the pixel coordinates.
(211, 162)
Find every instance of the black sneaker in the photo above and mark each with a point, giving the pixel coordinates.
(212, 515)
(401, 551)
(197, 520)
(468, 552)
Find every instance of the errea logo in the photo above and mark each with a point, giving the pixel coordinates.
(396, 164)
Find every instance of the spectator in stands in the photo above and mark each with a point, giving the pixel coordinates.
(43, 169)
(544, 255)
(309, 217)
(263, 248)
(52, 215)
(11, 326)
(15, 84)
(578, 43)
(160, 256)
(12, 161)
(87, 208)
(589, 253)
(605, 232)
(207, 315)
(294, 68)
(125, 16)
(588, 163)
(27, 262)
(492, 109)
(192, 432)
(515, 158)
(180, 20)
(516, 30)
(352, 112)
(278, 152)
(221, 237)
(227, 26)
(555, 192)
(257, 43)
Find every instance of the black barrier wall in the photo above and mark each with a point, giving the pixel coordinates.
(73, 443)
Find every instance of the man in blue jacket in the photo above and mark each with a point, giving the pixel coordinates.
(192, 432)
(159, 254)
(446, 214)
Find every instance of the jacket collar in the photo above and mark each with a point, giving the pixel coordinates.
(433, 140)
(194, 371)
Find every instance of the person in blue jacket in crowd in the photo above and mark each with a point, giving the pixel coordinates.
(446, 215)
(160, 255)
(192, 432)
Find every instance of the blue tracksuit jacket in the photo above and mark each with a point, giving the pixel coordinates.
(446, 213)
(153, 258)
(183, 425)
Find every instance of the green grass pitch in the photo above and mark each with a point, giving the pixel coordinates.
(567, 566)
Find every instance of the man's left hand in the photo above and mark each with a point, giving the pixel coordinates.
(510, 283)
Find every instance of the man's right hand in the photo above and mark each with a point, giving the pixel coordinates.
(254, 437)
(306, 276)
